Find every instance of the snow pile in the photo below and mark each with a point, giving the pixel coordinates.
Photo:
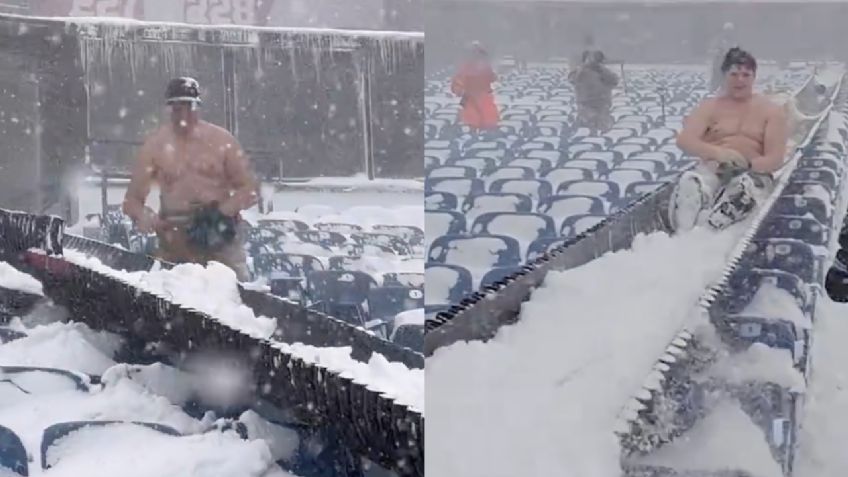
(282, 441)
(59, 345)
(760, 363)
(771, 302)
(724, 440)
(410, 317)
(130, 450)
(156, 378)
(543, 396)
(824, 424)
(212, 289)
(123, 400)
(14, 279)
(395, 380)
(16, 388)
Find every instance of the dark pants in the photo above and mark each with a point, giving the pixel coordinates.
(174, 247)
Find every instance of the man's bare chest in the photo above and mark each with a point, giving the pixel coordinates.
(176, 160)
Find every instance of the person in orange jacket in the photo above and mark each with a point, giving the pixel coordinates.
(473, 83)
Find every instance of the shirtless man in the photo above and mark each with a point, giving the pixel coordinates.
(740, 138)
(201, 171)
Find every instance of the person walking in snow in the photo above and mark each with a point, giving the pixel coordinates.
(205, 181)
(593, 84)
(473, 84)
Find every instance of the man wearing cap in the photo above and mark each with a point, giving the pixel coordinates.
(205, 181)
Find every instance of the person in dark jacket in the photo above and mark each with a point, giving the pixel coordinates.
(593, 83)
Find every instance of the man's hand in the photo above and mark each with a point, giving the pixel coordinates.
(731, 157)
(227, 208)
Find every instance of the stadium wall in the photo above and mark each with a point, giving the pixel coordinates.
(361, 14)
(303, 103)
(656, 32)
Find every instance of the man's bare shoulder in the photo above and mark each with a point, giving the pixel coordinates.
(216, 131)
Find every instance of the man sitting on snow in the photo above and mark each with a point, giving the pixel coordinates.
(740, 138)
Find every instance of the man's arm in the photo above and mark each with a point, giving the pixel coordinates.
(242, 181)
(690, 141)
(143, 173)
(774, 142)
(608, 77)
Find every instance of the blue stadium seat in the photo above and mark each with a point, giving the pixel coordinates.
(534, 188)
(577, 224)
(440, 201)
(480, 164)
(478, 251)
(444, 222)
(561, 206)
(284, 225)
(458, 187)
(62, 429)
(510, 172)
(607, 190)
(445, 283)
(337, 227)
(497, 274)
(564, 174)
(523, 226)
(340, 293)
(537, 164)
(798, 205)
(637, 189)
(598, 168)
(13, 454)
(387, 301)
(496, 202)
(395, 244)
(453, 171)
(320, 237)
(806, 229)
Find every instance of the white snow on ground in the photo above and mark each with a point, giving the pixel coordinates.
(212, 289)
(283, 442)
(58, 344)
(542, 397)
(824, 424)
(50, 399)
(726, 439)
(772, 302)
(14, 279)
(760, 363)
(145, 452)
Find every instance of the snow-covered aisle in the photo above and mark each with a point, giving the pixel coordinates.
(542, 397)
(824, 430)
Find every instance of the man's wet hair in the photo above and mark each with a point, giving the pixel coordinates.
(738, 57)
